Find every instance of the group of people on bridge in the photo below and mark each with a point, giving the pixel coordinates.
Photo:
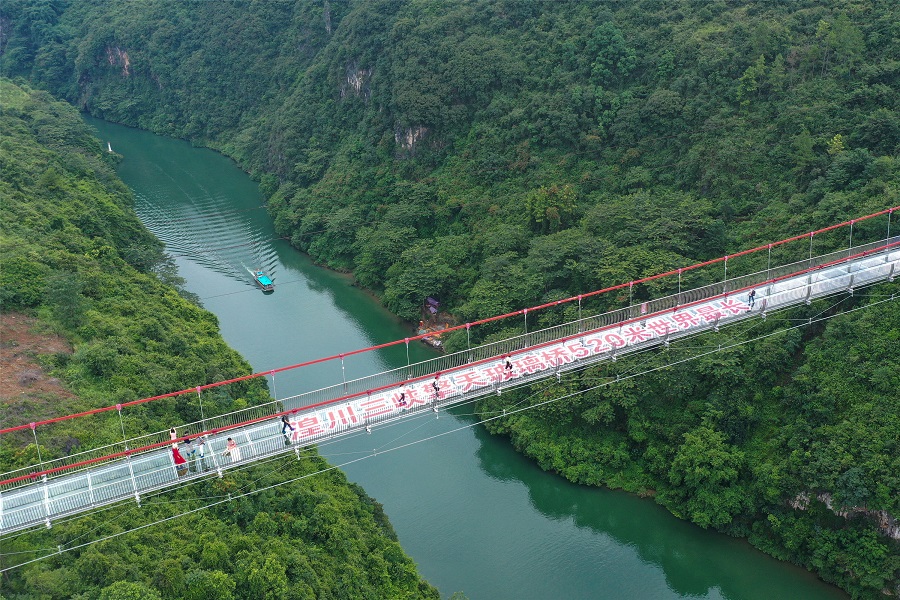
(193, 457)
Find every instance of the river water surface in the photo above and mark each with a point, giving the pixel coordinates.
(474, 515)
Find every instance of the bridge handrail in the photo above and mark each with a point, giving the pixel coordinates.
(809, 235)
(425, 369)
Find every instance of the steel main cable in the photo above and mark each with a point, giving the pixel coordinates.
(259, 419)
(307, 452)
(62, 550)
(809, 235)
(312, 451)
(223, 429)
(327, 402)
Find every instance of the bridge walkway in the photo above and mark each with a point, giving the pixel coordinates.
(41, 494)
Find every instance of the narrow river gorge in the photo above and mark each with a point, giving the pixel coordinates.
(474, 515)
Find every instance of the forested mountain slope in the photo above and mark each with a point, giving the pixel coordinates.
(75, 255)
(498, 154)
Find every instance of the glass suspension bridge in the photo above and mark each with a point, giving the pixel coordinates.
(654, 312)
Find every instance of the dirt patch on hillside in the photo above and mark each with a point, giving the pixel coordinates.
(21, 376)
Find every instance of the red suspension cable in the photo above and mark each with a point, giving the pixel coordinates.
(38, 474)
(620, 286)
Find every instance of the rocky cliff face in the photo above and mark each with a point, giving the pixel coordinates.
(119, 58)
(887, 523)
(356, 82)
(408, 137)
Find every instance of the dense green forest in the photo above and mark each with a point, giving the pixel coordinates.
(75, 256)
(499, 154)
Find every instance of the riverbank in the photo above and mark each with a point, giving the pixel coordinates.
(473, 514)
(80, 263)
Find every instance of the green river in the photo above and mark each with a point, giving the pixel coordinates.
(474, 515)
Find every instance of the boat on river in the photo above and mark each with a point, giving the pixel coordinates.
(263, 281)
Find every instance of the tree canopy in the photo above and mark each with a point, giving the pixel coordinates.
(498, 153)
(75, 256)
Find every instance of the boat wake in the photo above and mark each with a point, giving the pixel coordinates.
(219, 239)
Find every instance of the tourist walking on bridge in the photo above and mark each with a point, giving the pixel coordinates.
(285, 424)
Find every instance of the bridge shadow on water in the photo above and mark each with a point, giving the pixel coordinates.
(694, 561)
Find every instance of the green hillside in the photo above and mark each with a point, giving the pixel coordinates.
(75, 256)
(500, 154)
(469, 144)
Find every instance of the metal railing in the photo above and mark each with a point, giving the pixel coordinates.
(52, 489)
(450, 362)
